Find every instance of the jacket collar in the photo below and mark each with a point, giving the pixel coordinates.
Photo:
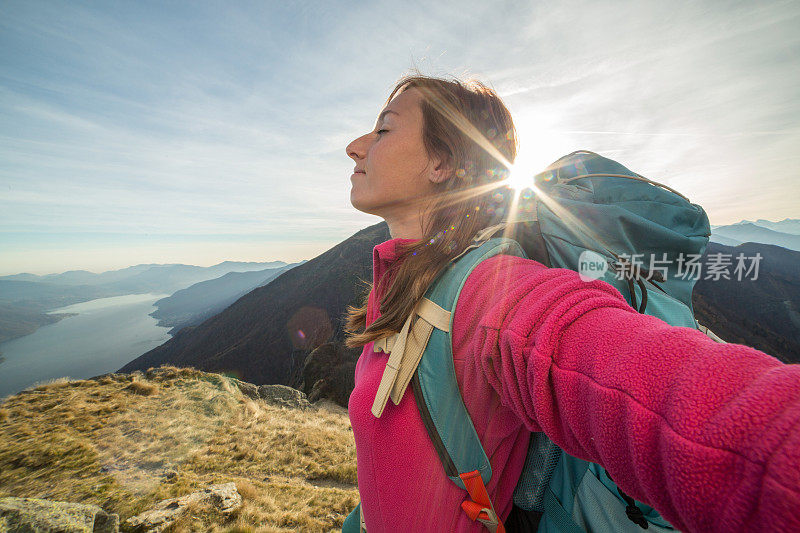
(383, 255)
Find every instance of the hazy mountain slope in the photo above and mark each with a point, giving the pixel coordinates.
(727, 241)
(763, 313)
(194, 304)
(18, 321)
(788, 225)
(24, 295)
(84, 277)
(170, 278)
(746, 232)
(23, 304)
(296, 312)
(43, 296)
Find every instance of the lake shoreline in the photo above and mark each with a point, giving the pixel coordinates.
(100, 336)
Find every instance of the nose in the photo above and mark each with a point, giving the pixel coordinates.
(357, 149)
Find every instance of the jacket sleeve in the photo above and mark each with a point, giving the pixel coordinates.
(707, 433)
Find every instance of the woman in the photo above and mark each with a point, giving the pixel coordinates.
(707, 433)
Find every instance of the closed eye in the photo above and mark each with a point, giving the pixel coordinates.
(381, 131)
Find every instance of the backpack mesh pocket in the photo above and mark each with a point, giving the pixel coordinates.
(540, 463)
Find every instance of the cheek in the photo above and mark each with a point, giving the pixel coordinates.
(396, 167)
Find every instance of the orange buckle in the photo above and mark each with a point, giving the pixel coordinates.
(480, 508)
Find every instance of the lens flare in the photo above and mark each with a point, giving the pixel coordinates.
(521, 175)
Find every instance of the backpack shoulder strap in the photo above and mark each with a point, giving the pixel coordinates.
(405, 351)
(438, 396)
(442, 406)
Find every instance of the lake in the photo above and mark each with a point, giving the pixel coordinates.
(106, 334)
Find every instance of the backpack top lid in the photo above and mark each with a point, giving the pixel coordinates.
(588, 202)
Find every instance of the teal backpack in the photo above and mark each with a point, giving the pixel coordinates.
(592, 215)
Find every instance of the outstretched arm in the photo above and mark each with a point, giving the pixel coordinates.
(707, 433)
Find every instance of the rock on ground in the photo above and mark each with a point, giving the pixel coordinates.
(283, 395)
(36, 514)
(224, 497)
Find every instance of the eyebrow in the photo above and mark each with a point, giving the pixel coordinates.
(384, 113)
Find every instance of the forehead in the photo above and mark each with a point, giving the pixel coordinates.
(405, 104)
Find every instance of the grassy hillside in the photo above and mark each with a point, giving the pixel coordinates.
(111, 440)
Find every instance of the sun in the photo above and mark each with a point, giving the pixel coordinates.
(539, 144)
(521, 174)
(520, 178)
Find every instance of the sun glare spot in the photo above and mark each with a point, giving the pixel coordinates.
(522, 173)
(539, 145)
(520, 178)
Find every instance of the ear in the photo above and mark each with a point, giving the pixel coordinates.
(439, 171)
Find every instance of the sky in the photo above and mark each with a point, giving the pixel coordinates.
(199, 132)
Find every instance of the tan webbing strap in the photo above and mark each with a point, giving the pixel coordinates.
(362, 527)
(492, 522)
(432, 313)
(708, 332)
(385, 344)
(415, 347)
(405, 352)
(485, 232)
(435, 315)
(392, 368)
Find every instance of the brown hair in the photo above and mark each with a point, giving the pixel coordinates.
(467, 125)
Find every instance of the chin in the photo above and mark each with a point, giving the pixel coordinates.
(358, 202)
(363, 206)
(369, 204)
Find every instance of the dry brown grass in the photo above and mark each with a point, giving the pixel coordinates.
(142, 389)
(109, 442)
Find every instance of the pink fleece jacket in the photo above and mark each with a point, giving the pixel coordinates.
(707, 433)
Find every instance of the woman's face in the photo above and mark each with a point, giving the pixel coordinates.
(392, 166)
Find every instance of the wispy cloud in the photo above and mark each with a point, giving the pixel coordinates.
(231, 119)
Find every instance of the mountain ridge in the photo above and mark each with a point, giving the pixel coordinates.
(193, 304)
(256, 337)
(306, 307)
(745, 231)
(22, 299)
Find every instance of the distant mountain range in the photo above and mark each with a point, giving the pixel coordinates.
(763, 313)
(785, 233)
(263, 322)
(160, 277)
(25, 298)
(787, 225)
(265, 336)
(194, 304)
(269, 335)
